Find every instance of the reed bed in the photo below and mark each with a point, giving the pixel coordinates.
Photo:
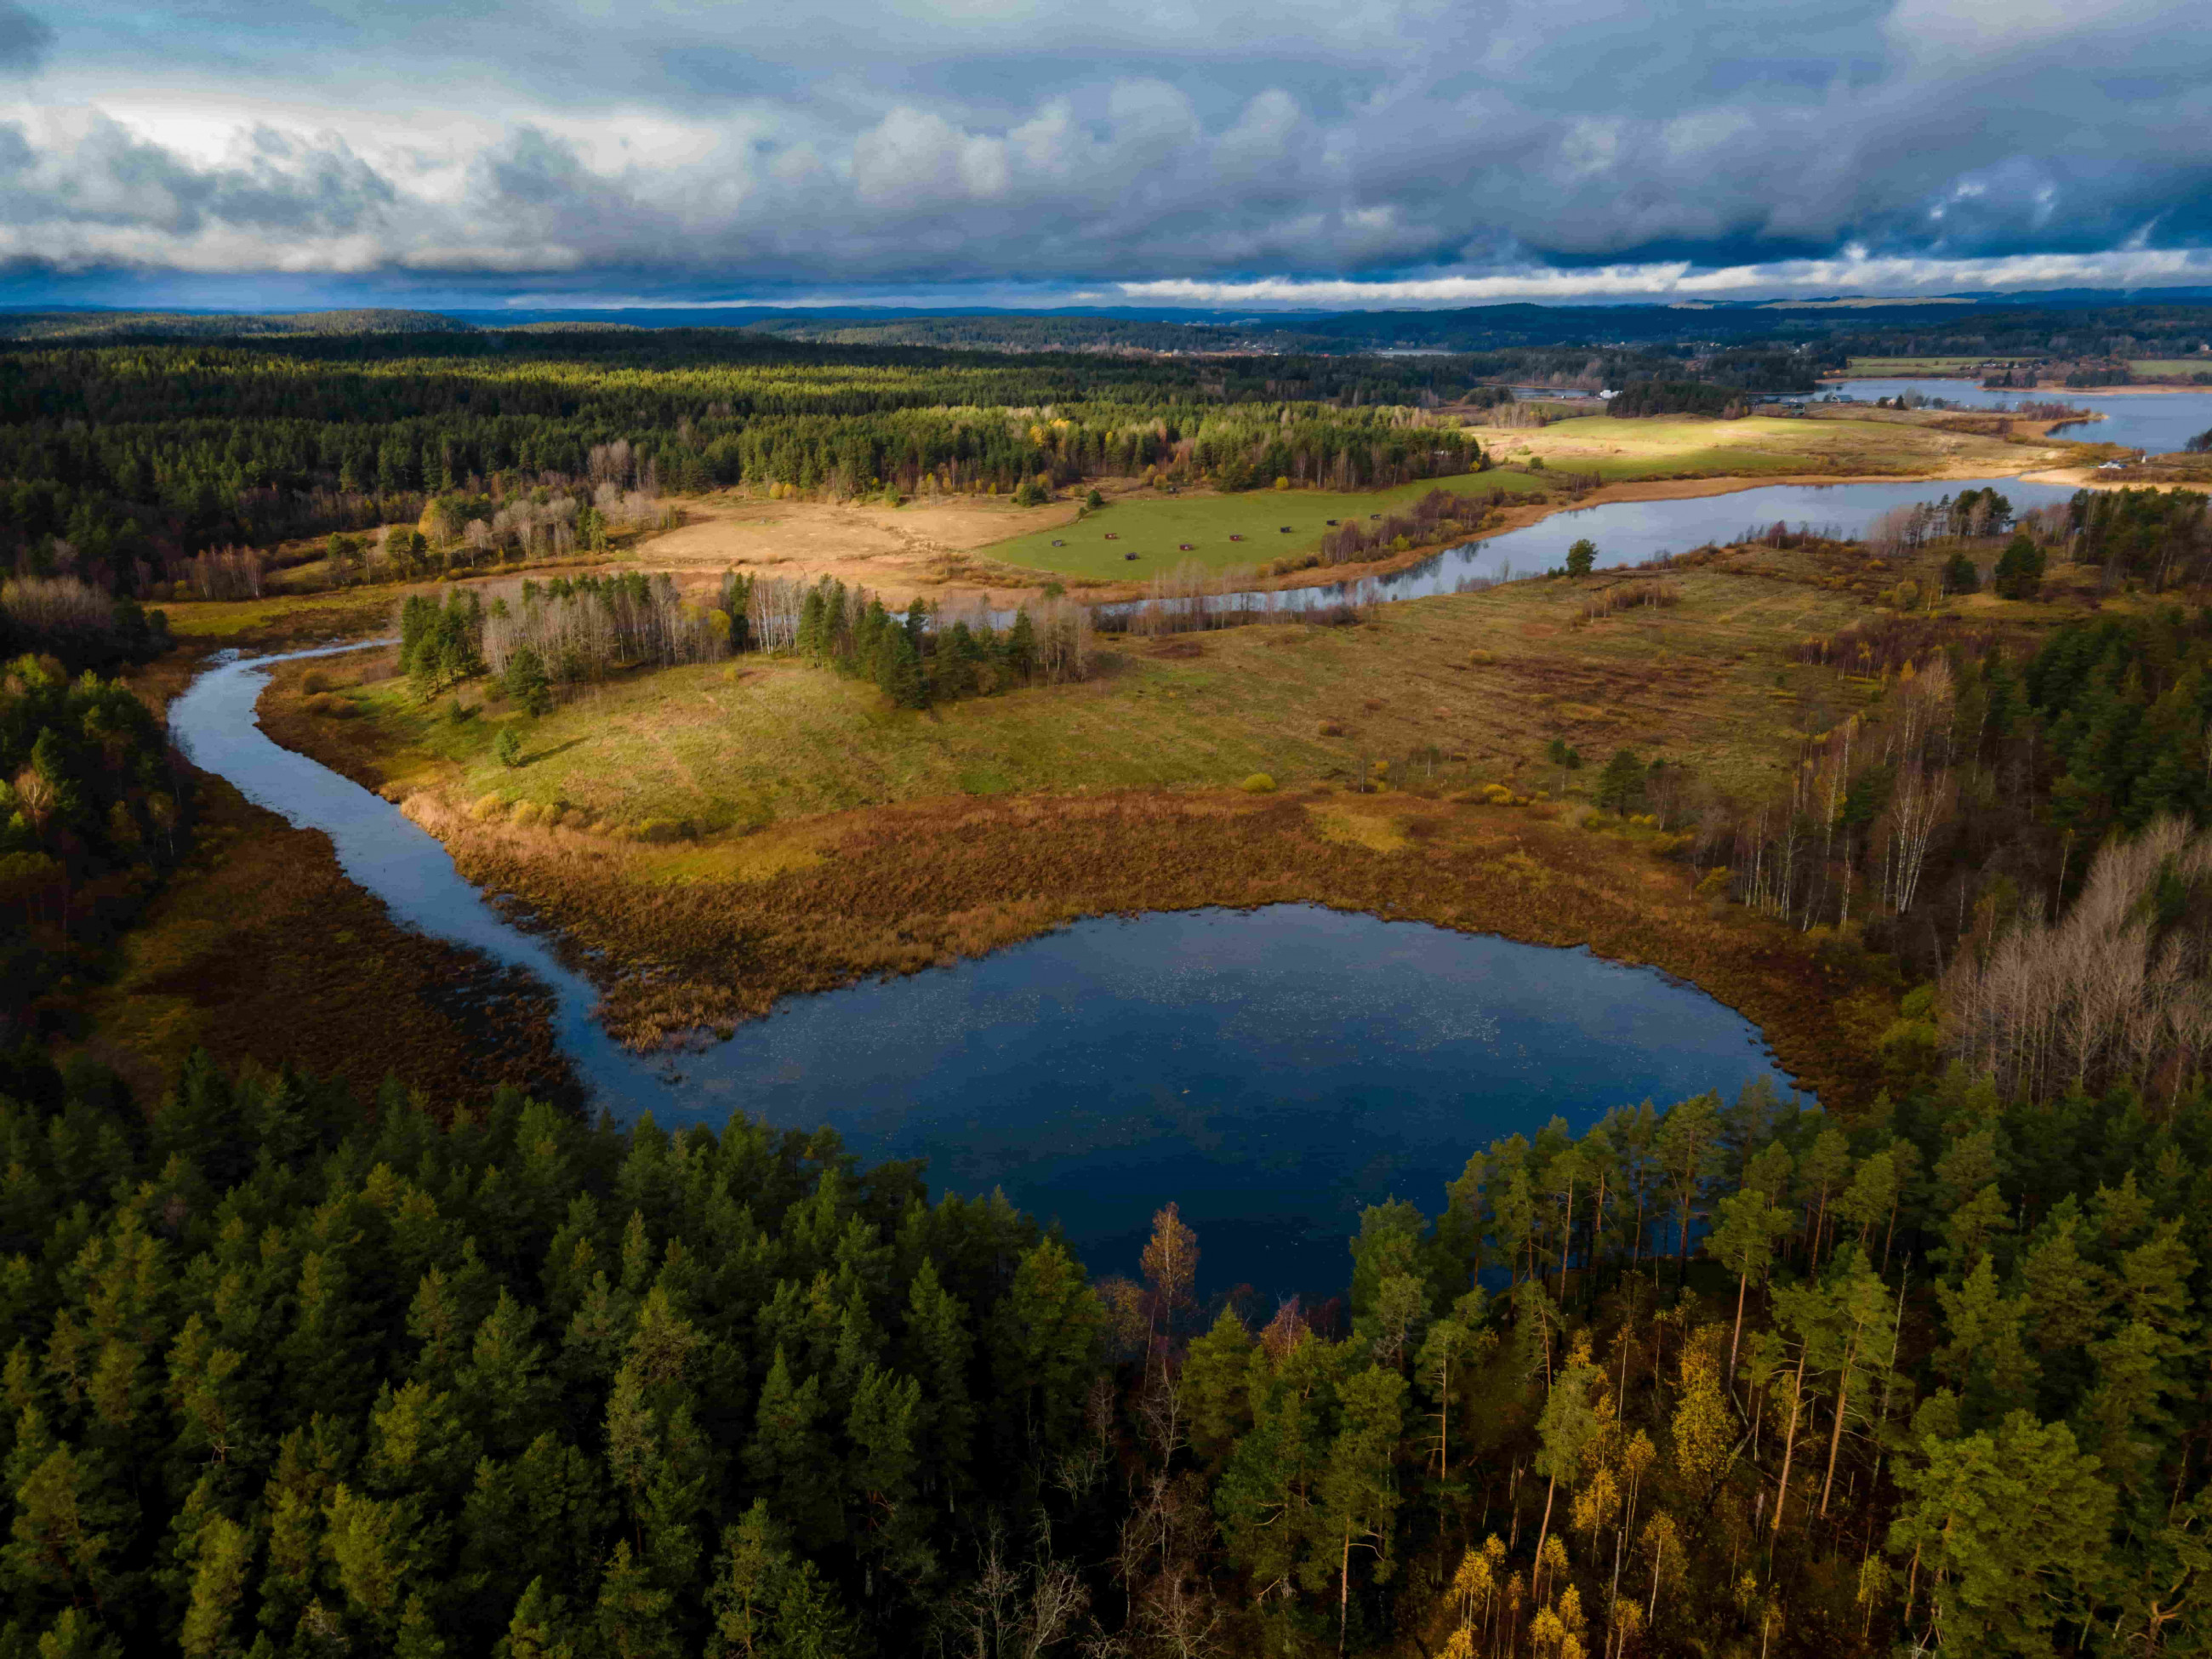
(923, 884)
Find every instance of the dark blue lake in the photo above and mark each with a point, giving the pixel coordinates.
(1274, 1071)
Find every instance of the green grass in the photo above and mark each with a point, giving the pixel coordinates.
(2170, 368)
(1153, 527)
(1889, 367)
(1488, 676)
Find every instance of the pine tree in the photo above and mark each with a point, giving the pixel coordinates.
(1045, 1340)
(1620, 785)
(2006, 1534)
(1358, 1492)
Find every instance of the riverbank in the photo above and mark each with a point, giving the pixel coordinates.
(900, 889)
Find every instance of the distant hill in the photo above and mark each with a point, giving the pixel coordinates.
(89, 324)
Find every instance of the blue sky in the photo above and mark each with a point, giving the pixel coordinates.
(1248, 154)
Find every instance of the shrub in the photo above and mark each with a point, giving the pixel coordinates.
(1960, 575)
(487, 806)
(1331, 729)
(1258, 784)
(1621, 787)
(662, 830)
(331, 708)
(509, 748)
(2019, 574)
(314, 680)
(525, 814)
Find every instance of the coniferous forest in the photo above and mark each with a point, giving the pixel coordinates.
(287, 1376)
(138, 457)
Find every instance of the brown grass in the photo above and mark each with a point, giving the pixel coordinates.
(261, 949)
(918, 885)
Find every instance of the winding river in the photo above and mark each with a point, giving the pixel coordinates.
(1633, 533)
(1273, 1070)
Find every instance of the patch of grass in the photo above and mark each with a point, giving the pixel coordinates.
(1624, 451)
(1886, 368)
(1153, 527)
(2169, 368)
(282, 619)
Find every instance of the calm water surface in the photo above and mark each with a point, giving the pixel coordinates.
(1273, 1070)
(2159, 423)
(1631, 532)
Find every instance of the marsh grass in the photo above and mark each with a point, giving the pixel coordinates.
(260, 950)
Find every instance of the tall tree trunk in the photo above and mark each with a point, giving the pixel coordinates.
(1343, 1591)
(1542, 1532)
(1566, 1243)
(1789, 1443)
(1836, 1433)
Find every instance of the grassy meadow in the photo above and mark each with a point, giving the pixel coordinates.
(1758, 446)
(1884, 368)
(1274, 524)
(1465, 688)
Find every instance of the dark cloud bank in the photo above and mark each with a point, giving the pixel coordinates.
(1419, 153)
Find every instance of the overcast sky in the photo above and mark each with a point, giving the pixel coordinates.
(1241, 153)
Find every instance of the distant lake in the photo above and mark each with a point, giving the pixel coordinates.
(2159, 423)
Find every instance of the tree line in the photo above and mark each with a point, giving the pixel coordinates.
(540, 642)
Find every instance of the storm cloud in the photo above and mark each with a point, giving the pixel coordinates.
(1295, 152)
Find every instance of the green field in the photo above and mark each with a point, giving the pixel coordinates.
(2164, 369)
(1885, 368)
(1153, 527)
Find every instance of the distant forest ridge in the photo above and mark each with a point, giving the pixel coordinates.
(2076, 325)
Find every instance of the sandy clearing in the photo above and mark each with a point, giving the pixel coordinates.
(902, 551)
